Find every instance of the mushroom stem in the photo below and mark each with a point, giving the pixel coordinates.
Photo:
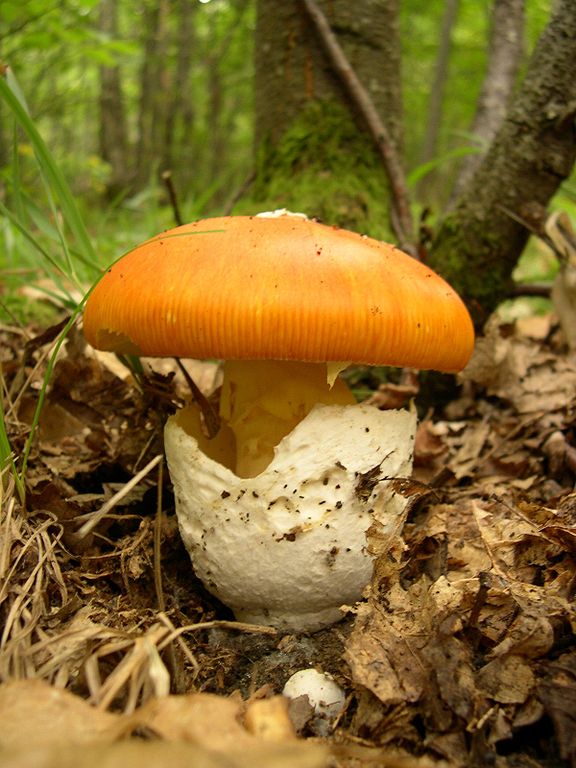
(263, 400)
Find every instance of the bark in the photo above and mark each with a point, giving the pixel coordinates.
(479, 242)
(307, 127)
(113, 140)
(505, 50)
(291, 69)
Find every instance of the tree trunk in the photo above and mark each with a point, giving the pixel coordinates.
(314, 153)
(505, 50)
(180, 109)
(113, 140)
(154, 95)
(480, 240)
(219, 116)
(434, 116)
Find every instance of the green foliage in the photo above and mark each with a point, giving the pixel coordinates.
(27, 228)
(44, 242)
(421, 171)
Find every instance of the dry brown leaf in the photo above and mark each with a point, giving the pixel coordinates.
(558, 693)
(135, 754)
(380, 658)
(466, 459)
(269, 719)
(507, 680)
(42, 725)
(515, 369)
(203, 719)
(34, 713)
(452, 672)
(466, 556)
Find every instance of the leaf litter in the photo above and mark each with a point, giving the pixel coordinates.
(461, 654)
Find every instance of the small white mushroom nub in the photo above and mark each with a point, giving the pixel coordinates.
(324, 695)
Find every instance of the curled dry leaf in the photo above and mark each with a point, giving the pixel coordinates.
(381, 660)
(456, 624)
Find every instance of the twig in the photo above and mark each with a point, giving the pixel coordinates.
(239, 193)
(235, 626)
(180, 640)
(210, 414)
(401, 217)
(158, 541)
(531, 289)
(167, 179)
(95, 517)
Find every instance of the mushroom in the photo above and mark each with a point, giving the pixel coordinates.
(324, 696)
(274, 509)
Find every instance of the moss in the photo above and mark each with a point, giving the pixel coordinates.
(470, 260)
(326, 167)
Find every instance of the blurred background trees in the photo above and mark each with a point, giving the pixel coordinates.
(240, 101)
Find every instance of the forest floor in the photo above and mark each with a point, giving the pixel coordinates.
(462, 654)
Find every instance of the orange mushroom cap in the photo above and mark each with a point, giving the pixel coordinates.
(283, 288)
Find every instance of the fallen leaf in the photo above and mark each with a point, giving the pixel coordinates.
(558, 693)
(137, 753)
(507, 680)
(381, 659)
(34, 713)
(203, 719)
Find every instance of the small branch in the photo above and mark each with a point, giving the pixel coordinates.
(167, 179)
(158, 541)
(95, 517)
(531, 289)
(239, 193)
(401, 217)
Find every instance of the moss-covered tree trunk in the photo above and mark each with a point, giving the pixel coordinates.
(314, 153)
(480, 240)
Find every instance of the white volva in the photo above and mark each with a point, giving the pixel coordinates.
(288, 547)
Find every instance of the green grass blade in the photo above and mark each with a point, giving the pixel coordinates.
(53, 177)
(7, 460)
(32, 240)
